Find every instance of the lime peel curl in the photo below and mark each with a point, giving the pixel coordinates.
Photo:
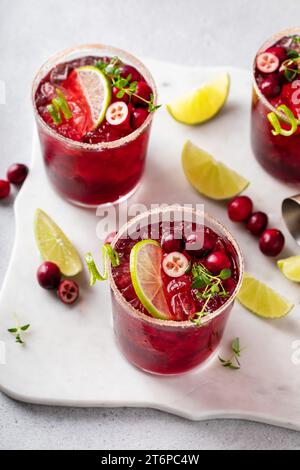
(108, 254)
(274, 121)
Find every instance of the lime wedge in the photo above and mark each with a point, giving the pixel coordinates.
(54, 245)
(203, 104)
(145, 270)
(97, 91)
(209, 177)
(290, 267)
(262, 300)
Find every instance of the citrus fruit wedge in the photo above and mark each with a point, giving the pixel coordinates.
(210, 177)
(96, 90)
(54, 245)
(262, 300)
(145, 270)
(290, 267)
(203, 104)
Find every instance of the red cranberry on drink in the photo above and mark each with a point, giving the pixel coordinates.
(229, 285)
(143, 91)
(267, 62)
(115, 92)
(138, 116)
(4, 189)
(279, 52)
(68, 291)
(257, 223)
(202, 244)
(48, 275)
(270, 86)
(217, 261)
(16, 174)
(118, 114)
(169, 243)
(126, 70)
(240, 208)
(271, 242)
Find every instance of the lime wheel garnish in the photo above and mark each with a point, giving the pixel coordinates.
(145, 269)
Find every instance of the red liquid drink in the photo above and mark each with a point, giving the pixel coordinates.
(178, 344)
(276, 83)
(92, 164)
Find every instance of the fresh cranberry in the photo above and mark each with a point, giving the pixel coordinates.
(257, 223)
(240, 208)
(68, 291)
(138, 116)
(169, 243)
(229, 285)
(4, 189)
(271, 86)
(217, 261)
(117, 114)
(271, 242)
(48, 275)
(279, 52)
(115, 92)
(126, 70)
(143, 91)
(267, 62)
(17, 173)
(202, 245)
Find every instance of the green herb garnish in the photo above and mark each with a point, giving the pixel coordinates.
(211, 285)
(296, 39)
(108, 254)
(59, 106)
(124, 85)
(233, 362)
(18, 330)
(292, 54)
(290, 67)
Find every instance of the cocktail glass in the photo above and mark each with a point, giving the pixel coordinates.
(278, 155)
(170, 347)
(94, 174)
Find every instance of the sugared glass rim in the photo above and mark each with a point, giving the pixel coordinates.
(210, 220)
(270, 42)
(64, 56)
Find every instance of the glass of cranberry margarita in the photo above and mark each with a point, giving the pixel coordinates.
(195, 314)
(93, 135)
(276, 92)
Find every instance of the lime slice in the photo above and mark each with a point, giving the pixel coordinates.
(145, 270)
(97, 91)
(209, 177)
(262, 300)
(290, 267)
(54, 245)
(203, 104)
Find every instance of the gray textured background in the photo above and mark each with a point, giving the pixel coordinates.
(191, 32)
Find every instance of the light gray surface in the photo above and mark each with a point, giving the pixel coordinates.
(183, 31)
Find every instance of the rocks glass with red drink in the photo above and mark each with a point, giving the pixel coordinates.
(93, 107)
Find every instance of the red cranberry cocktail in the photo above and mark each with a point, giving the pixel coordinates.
(173, 289)
(275, 130)
(94, 107)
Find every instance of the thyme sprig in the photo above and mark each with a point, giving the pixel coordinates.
(211, 285)
(18, 330)
(234, 361)
(124, 85)
(291, 67)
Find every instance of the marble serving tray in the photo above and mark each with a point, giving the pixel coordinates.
(70, 357)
